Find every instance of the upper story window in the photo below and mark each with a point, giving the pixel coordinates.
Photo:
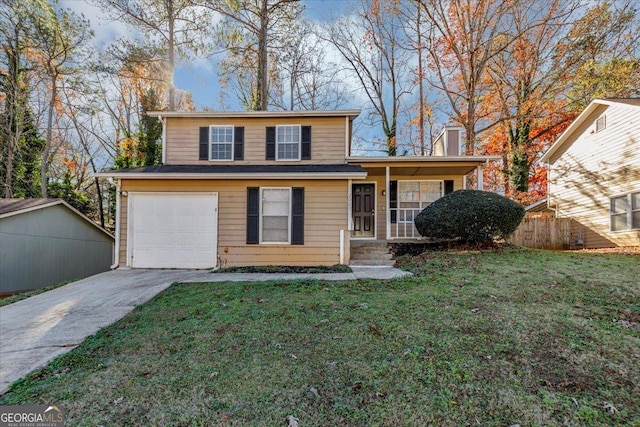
(288, 141)
(625, 212)
(220, 142)
(601, 123)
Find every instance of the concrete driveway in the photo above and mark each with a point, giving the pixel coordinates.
(36, 330)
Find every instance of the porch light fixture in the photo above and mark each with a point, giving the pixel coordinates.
(124, 194)
(384, 192)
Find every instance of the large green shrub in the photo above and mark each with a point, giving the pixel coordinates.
(470, 216)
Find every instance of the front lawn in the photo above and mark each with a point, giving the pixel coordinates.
(478, 338)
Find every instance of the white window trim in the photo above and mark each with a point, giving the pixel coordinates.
(629, 212)
(299, 143)
(289, 216)
(233, 137)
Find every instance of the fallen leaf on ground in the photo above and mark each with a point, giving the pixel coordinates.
(292, 421)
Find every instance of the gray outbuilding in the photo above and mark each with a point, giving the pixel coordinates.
(47, 241)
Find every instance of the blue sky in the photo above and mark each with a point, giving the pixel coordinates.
(199, 77)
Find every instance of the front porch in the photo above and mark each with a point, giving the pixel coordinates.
(383, 205)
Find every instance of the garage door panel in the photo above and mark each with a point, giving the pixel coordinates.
(173, 230)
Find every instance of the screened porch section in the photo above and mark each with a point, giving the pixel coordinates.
(407, 199)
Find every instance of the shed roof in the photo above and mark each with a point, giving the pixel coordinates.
(12, 207)
(16, 205)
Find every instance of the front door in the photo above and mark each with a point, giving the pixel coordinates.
(363, 210)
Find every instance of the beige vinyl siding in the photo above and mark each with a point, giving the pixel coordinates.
(325, 215)
(381, 201)
(327, 139)
(595, 167)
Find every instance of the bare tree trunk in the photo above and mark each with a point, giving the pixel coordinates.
(44, 166)
(172, 59)
(262, 83)
(420, 85)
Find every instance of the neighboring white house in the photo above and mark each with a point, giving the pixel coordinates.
(594, 173)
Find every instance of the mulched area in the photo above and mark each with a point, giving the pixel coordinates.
(627, 250)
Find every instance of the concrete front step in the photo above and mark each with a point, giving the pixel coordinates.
(370, 250)
(372, 256)
(373, 253)
(376, 262)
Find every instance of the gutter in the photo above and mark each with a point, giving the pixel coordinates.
(164, 139)
(174, 175)
(116, 251)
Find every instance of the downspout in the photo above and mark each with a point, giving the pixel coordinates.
(116, 261)
(164, 140)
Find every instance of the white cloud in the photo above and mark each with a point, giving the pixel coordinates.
(105, 30)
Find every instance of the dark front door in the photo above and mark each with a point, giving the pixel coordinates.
(363, 210)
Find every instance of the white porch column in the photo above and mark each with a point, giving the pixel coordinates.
(387, 199)
(479, 178)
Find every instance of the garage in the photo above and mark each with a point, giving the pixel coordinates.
(172, 230)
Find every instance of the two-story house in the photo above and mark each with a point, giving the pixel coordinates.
(594, 174)
(273, 188)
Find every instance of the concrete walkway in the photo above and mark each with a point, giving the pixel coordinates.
(36, 330)
(357, 272)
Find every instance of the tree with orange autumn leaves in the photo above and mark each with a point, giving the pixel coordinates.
(528, 83)
(507, 72)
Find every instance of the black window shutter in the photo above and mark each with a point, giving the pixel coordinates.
(253, 215)
(297, 216)
(393, 200)
(238, 143)
(305, 139)
(204, 143)
(271, 143)
(448, 186)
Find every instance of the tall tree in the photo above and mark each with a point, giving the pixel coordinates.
(252, 32)
(174, 28)
(57, 40)
(606, 42)
(20, 145)
(305, 78)
(530, 77)
(460, 40)
(371, 42)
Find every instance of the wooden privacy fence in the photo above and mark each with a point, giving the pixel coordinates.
(543, 233)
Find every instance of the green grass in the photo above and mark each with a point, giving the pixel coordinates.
(24, 295)
(479, 338)
(338, 268)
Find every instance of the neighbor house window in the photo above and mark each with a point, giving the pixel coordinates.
(221, 142)
(625, 212)
(275, 211)
(413, 196)
(601, 123)
(288, 142)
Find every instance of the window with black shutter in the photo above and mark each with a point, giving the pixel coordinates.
(448, 186)
(271, 143)
(306, 143)
(253, 215)
(204, 143)
(297, 217)
(238, 143)
(393, 201)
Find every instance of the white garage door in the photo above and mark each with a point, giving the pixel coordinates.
(173, 230)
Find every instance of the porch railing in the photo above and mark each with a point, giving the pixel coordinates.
(403, 227)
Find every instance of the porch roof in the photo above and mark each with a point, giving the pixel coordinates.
(425, 165)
